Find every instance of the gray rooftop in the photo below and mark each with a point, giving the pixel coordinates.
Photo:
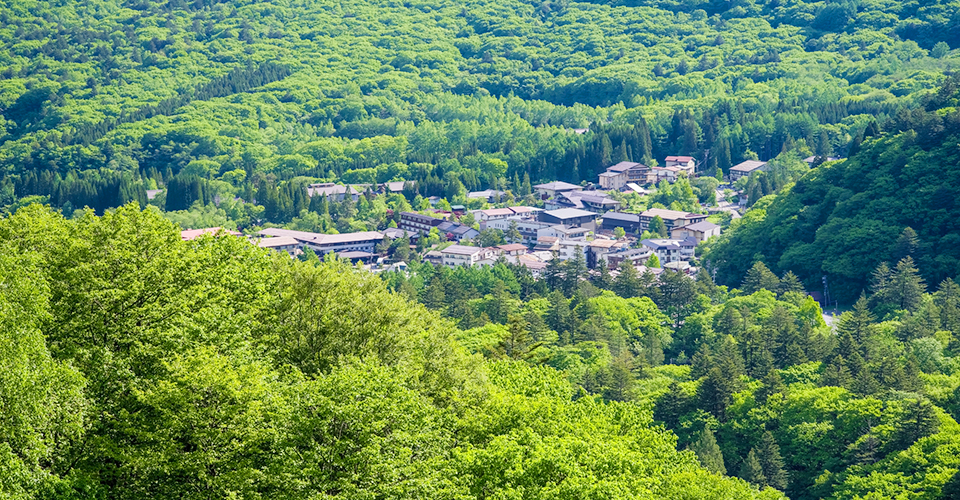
(621, 216)
(569, 213)
(557, 186)
(702, 226)
(748, 166)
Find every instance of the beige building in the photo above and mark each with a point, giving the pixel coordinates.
(746, 169)
(700, 231)
(459, 255)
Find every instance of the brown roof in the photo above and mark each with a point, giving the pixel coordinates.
(513, 247)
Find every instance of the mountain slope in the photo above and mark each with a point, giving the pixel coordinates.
(844, 218)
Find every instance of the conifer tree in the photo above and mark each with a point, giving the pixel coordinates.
(716, 393)
(858, 323)
(880, 285)
(790, 283)
(919, 419)
(559, 316)
(602, 279)
(866, 450)
(836, 374)
(907, 287)
(865, 383)
(947, 298)
(708, 452)
(772, 384)
(627, 283)
(672, 405)
(751, 470)
(768, 454)
(517, 344)
(573, 270)
(619, 378)
(906, 245)
(951, 489)
(759, 278)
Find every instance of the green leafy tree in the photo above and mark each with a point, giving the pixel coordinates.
(653, 262)
(658, 227)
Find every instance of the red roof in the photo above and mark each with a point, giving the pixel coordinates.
(683, 159)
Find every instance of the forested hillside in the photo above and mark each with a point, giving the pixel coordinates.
(897, 196)
(103, 100)
(751, 379)
(137, 365)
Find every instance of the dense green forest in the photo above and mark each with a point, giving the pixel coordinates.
(896, 196)
(134, 364)
(235, 101)
(138, 365)
(751, 379)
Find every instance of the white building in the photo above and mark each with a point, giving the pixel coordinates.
(686, 164)
(459, 255)
(530, 230)
(321, 244)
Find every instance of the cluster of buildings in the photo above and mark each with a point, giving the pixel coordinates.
(620, 176)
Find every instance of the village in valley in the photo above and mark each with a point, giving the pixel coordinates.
(599, 223)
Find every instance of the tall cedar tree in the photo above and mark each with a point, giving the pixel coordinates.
(759, 277)
(907, 287)
(672, 405)
(751, 470)
(790, 283)
(768, 453)
(708, 452)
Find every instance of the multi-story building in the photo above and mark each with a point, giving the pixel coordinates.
(671, 218)
(414, 222)
(686, 164)
(700, 231)
(671, 250)
(530, 230)
(333, 191)
(570, 217)
(321, 244)
(286, 244)
(458, 255)
(550, 189)
(629, 222)
(457, 231)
